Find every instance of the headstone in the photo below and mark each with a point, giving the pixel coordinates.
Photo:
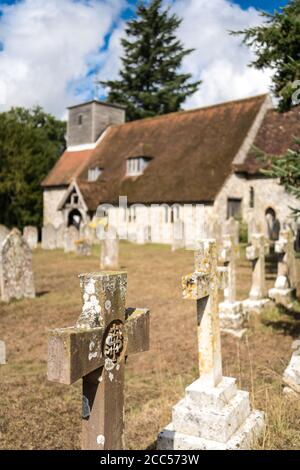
(95, 350)
(109, 249)
(60, 236)
(284, 292)
(84, 247)
(291, 376)
(178, 238)
(214, 414)
(3, 234)
(232, 227)
(253, 227)
(49, 237)
(2, 353)
(143, 234)
(31, 235)
(256, 253)
(71, 237)
(16, 276)
(88, 233)
(231, 312)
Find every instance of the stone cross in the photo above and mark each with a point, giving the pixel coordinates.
(285, 249)
(95, 350)
(16, 276)
(256, 253)
(203, 286)
(229, 255)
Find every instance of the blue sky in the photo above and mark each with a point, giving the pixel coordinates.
(51, 51)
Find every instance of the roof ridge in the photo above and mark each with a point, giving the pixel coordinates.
(190, 111)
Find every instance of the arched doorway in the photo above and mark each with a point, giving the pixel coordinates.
(273, 224)
(75, 218)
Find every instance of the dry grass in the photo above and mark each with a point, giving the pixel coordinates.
(36, 414)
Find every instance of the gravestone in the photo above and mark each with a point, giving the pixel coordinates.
(232, 227)
(71, 238)
(60, 236)
(16, 276)
(178, 238)
(231, 312)
(88, 233)
(3, 234)
(284, 292)
(214, 414)
(95, 350)
(256, 253)
(2, 353)
(31, 235)
(143, 234)
(291, 376)
(254, 227)
(109, 249)
(49, 237)
(84, 247)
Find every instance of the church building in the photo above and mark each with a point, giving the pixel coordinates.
(166, 164)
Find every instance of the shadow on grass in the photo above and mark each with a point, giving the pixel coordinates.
(287, 321)
(42, 293)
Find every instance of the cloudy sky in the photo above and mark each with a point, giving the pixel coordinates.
(52, 50)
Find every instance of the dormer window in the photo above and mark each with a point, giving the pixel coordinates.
(136, 166)
(94, 174)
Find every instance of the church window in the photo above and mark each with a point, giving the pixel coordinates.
(136, 166)
(94, 174)
(234, 208)
(252, 198)
(80, 119)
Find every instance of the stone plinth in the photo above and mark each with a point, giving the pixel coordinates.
(291, 376)
(233, 318)
(216, 418)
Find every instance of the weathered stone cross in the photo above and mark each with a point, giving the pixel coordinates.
(229, 255)
(203, 286)
(256, 253)
(95, 350)
(284, 248)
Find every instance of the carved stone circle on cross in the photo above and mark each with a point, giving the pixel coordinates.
(95, 350)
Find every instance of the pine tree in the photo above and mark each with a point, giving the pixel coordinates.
(276, 44)
(150, 83)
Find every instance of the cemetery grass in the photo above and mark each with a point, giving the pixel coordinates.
(36, 414)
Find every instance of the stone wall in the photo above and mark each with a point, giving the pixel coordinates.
(267, 194)
(52, 199)
(159, 218)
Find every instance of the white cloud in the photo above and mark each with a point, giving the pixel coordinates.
(48, 45)
(219, 60)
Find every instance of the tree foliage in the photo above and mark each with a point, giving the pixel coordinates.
(286, 168)
(30, 143)
(150, 83)
(276, 45)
